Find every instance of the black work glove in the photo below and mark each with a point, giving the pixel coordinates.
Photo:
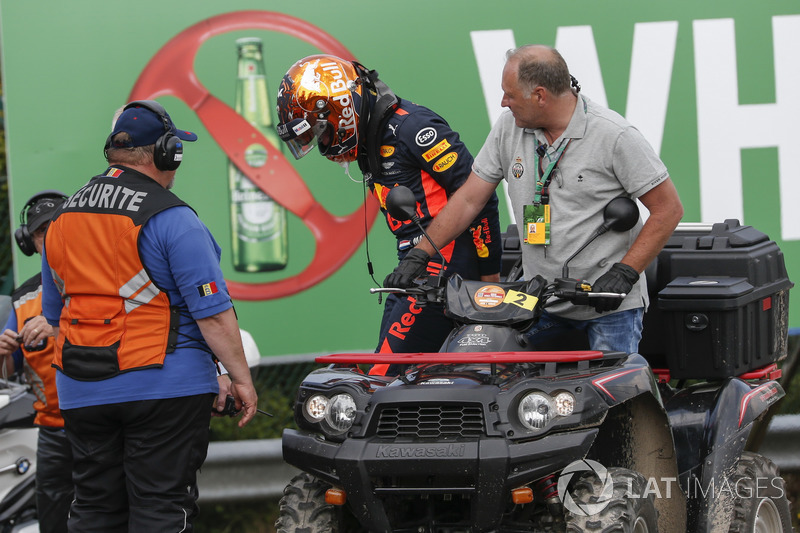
(619, 278)
(413, 265)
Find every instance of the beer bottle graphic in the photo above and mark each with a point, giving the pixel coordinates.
(259, 239)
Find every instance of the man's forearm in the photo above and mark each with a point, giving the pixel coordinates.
(460, 211)
(666, 211)
(221, 332)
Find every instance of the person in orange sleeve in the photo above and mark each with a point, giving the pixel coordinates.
(27, 344)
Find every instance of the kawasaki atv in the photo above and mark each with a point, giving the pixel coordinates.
(494, 435)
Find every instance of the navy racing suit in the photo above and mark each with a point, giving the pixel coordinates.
(419, 150)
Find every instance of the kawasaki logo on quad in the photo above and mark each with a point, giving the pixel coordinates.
(452, 450)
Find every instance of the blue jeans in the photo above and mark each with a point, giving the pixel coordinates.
(620, 331)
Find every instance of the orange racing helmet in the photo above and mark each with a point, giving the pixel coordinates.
(319, 102)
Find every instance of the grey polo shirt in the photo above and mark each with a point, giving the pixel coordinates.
(606, 158)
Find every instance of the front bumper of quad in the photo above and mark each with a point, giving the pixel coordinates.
(484, 470)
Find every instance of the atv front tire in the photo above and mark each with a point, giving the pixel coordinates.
(303, 508)
(629, 509)
(760, 504)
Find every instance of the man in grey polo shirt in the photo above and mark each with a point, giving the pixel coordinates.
(565, 158)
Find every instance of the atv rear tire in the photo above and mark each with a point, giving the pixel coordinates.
(760, 504)
(303, 508)
(628, 509)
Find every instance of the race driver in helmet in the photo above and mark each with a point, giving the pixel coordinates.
(351, 115)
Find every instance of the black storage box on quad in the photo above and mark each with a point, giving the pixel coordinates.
(719, 302)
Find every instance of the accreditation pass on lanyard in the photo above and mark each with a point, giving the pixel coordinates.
(536, 216)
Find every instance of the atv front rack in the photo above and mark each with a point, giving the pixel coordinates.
(552, 360)
(459, 357)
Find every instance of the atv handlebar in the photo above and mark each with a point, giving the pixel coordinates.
(432, 290)
(376, 290)
(578, 292)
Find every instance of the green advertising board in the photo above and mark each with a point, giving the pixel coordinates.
(710, 84)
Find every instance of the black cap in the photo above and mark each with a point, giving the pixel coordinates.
(42, 211)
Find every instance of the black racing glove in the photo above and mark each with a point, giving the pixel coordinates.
(413, 265)
(619, 278)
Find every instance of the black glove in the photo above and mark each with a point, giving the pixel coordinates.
(410, 268)
(619, 278)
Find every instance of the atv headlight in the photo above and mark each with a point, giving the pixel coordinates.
(536, 410)
(341, 413)
(316, 406)
(564, 403)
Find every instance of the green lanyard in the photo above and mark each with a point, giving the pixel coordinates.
(541, 195)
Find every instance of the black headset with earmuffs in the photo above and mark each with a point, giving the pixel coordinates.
(168, 150)
(23, 234)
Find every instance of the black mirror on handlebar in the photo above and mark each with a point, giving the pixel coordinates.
(401, 204)
(620, 214)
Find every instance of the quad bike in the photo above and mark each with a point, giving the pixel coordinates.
(18, 437)
(493, 434)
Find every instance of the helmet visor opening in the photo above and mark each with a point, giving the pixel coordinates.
(300, 136)
(299, 148)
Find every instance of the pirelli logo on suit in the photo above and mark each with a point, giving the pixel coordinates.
(436, 151)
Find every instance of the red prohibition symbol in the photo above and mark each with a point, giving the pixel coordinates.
(171, 72)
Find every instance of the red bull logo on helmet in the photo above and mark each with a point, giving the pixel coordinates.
(341, 89)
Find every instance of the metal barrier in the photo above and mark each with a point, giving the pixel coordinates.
(243, 470)
(253, 469)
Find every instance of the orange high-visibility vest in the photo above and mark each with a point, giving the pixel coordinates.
(114, 319)
(27, 302)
